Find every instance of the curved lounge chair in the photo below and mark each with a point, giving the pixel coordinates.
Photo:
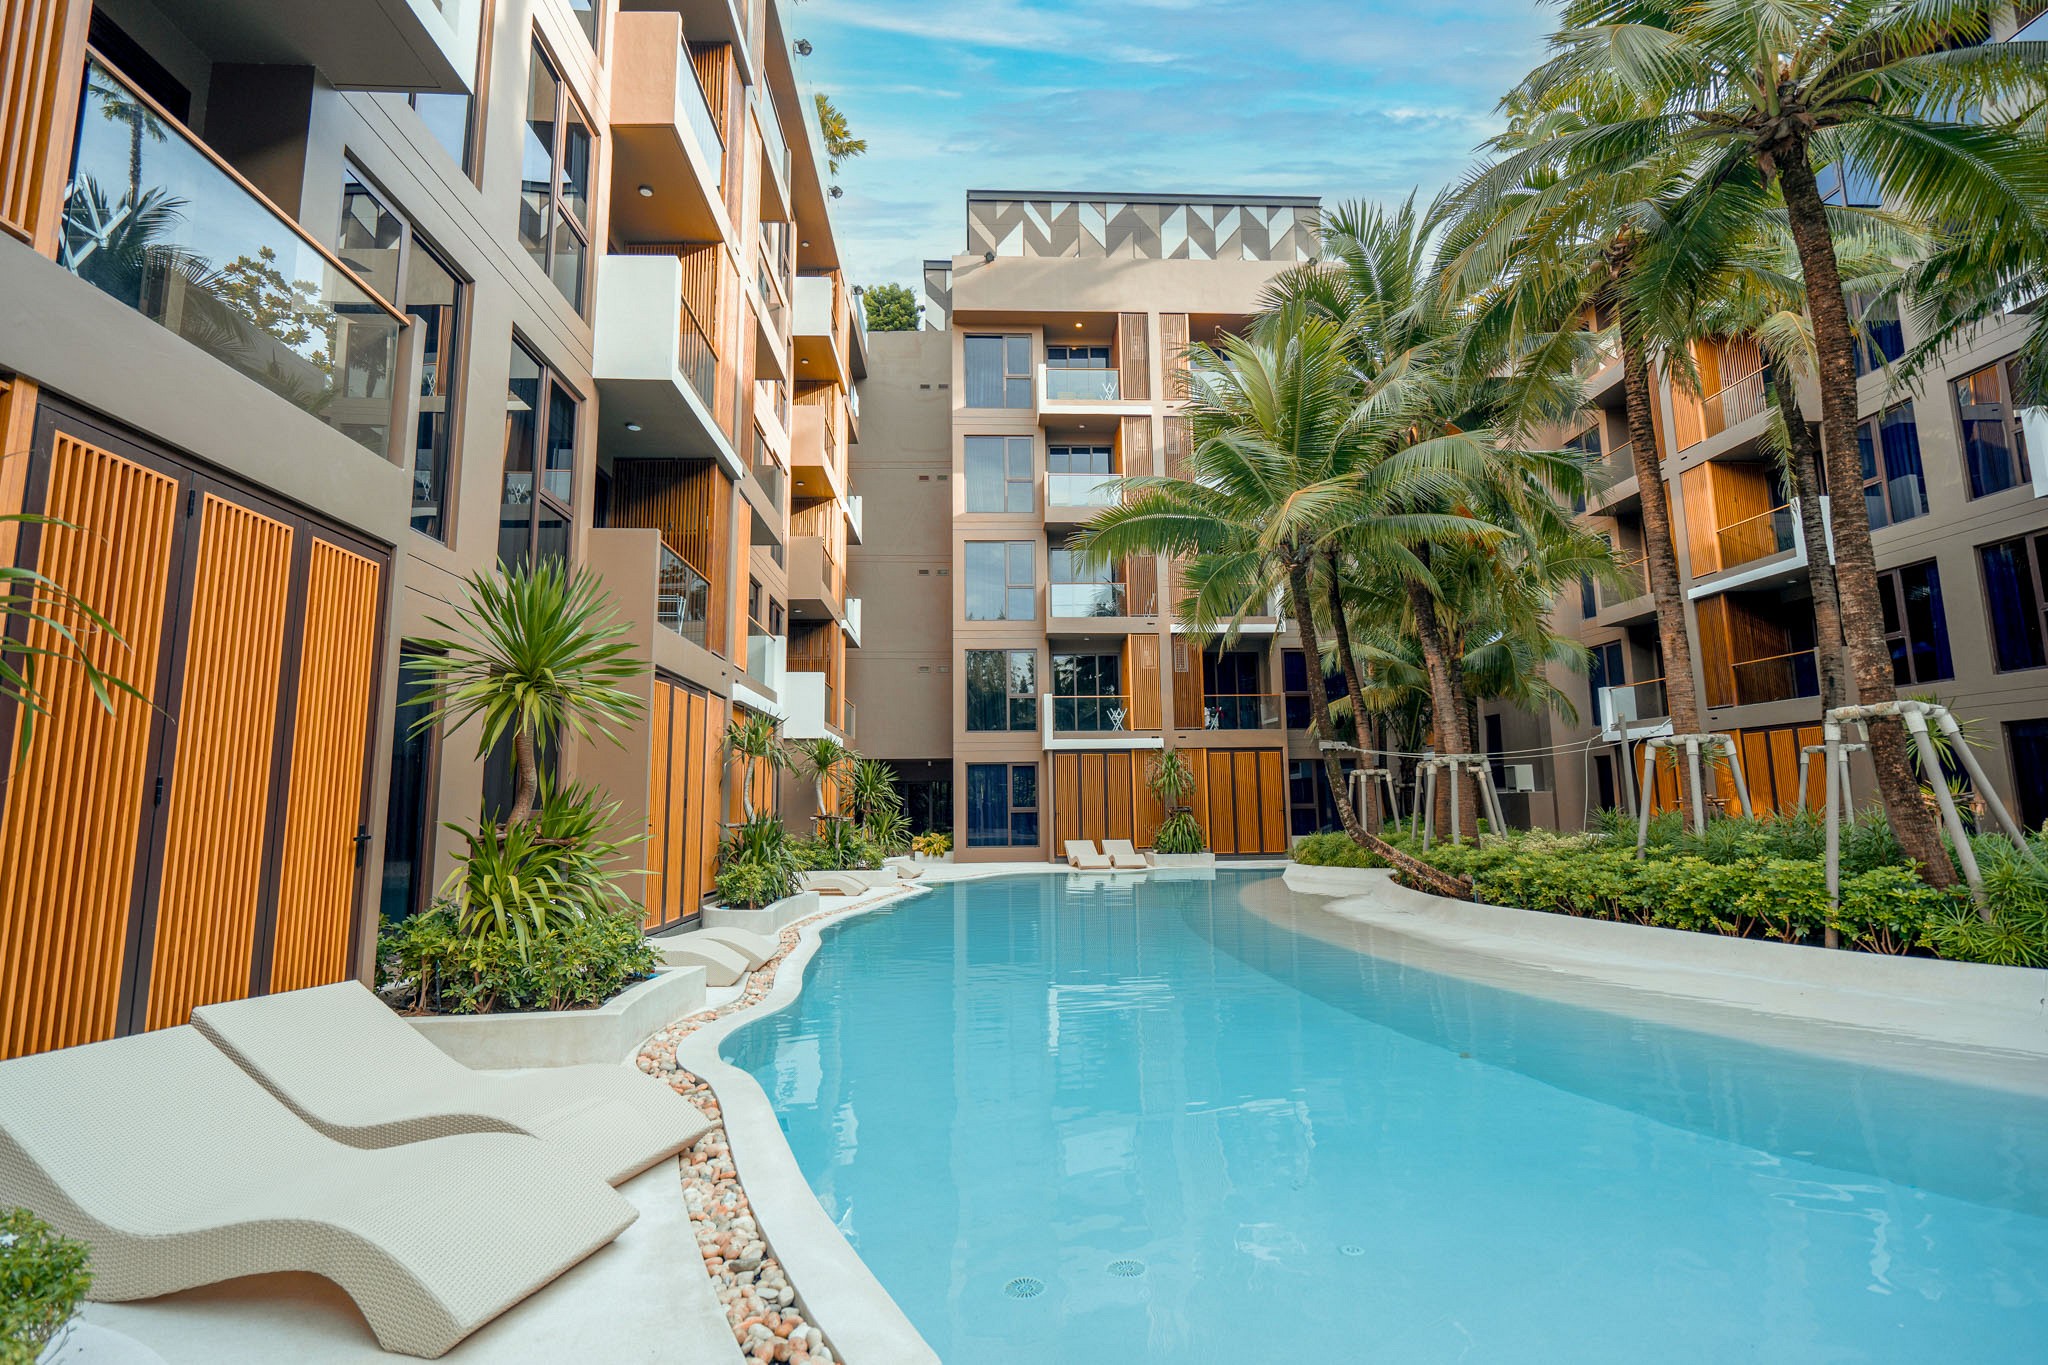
(836, 883)
(179, 1171)
(1123, 857)
(342, 1061)
(1082, 856)
(755, 948)
(723, 964)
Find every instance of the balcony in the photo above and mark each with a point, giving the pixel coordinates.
(1759, 537)
(425, 45)
(819, 321)
(1085, 601)
(1628, 600)
(664, 137)
(853, 615)
(157, 221)
(817, 581)
(810, 707)
(765, 653)
(1728, 407)
(1066, 392)
(1074, 498)
(854, 514)
(1243, 711)
(817, 448)
(1614, 479)
(1632, 704)
(658, 376)
(682, 597)
(1107, 721)
(1779, 677)
(776, 204)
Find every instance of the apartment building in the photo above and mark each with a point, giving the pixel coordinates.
(309, 312)
(1019, 694)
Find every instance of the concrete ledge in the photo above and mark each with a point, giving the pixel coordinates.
(610, 1033)
(1956, 1004)
(838, 1292)
(769, 919)
(1207, 860)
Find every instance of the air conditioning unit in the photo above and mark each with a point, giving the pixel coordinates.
(1617, 706)
(1520, 777)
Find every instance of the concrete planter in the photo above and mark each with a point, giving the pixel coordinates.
(768, 919)
(1207, 860)
(609, 1033)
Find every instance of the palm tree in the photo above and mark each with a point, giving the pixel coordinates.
(822, 758)
(541, 654)
(1909, 92)
(751, 740)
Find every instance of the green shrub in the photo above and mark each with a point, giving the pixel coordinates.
(936, 844)
(750, 885)
(1179, 832)
(571, 963)
(841, 846)
(888, 831)
(1332, 850)
(519, 881)
(760, 864)
(42, 1279)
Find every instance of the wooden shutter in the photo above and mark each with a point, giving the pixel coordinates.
(42, 58)
(1137, 441)
(203, 944)
(1134, 357)
(324, 804)
(1173, 353)
(74, 804)
(1272, 802)
(1117, 786)
(655, 895)
(1143, 651)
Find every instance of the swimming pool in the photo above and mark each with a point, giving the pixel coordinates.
(1151, 1123)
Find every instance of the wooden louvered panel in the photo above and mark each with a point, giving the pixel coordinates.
(1142, 666)
(1222, 801)
(1093, 814)
(41, 56)
(1117, 781)
(1179, 446)
(75, 800)
(222, 736)
(1134, 357)
(1147, 814)
(689, 796)
(654, 894)
(705, 814)
(1246, 793)
(1137, 443)
(675, 812)
(1272, 802)
(316, 890)
(690, 503)
(1173, 358)
(17, 433)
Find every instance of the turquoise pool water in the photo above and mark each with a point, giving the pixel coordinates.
(1206, 1137)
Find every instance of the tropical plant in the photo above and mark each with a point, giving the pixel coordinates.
(762, 860)
(824, 759)
(871, 789)
(751, 885)
(571, 964)
(840, 143)
(517, 881)
(888, 830)
(542, 654)
(1172, 781)
(1910, 94)
(890, 308)
(1179, 832)
(43, 1278)
(754, 740)
(932, 844)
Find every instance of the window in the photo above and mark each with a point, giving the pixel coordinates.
(1606, 666)
(586, 12)
(1002, 582)
(1002, 689)
(554, 172)
(379, 244)
(774, 617)
(998, 371)
(1994, 450)
(540, 464)
(2027, 742)
(408, 817)
(1087, 693)
(1879, 338)
(1294, 684)
(1311, 807)
(1077, 357)
(2013, 574)
(1079, 459)
(1860, 190)
(999, 477)
(1002, 805)
(447, 117)
(1898, 490)
(1914, 625)
(754, 600)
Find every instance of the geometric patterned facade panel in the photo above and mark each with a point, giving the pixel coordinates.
(1151, 228)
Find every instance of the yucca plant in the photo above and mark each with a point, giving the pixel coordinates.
(517, 881)
(871, 790)
(824, 758)
(751, 740)
(543, 654)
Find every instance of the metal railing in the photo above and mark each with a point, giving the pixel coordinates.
(1733, 403)
(697, 111)
(1082, 386)
(154, 218)
(1777, 677)
(696, 356)
(1635, 583)
(1243, 711)
(682, 597)
(1758, 537)
(1091, 714)
(1081, 490)
(1085, 599)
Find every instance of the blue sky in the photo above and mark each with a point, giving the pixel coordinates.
(1342, 98)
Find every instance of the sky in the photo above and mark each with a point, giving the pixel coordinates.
(1342, 98)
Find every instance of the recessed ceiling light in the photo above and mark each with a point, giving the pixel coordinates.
(1077, 326)
(803, 243)
(632, 426)
(805, 361)
(647, 191)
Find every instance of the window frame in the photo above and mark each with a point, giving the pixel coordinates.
(1009, 585)
(2034, 549)
(1878, 480)
(566, 104)
(1009, 480)
(427, 743)
(550, 382)
(1015, 705)
(1008, 376)
(2018, 461)
(471, 158)
(1011, 809)
(1892, 590)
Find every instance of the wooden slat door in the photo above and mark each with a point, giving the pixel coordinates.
(682, 803)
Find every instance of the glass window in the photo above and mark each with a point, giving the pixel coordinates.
(1088, 693)
(2013, 591)
(1994, 449)
(998, 371)
(999, 474)
(1894, 489)
(447, 117)
(1002, 805)
(586, 12)
(1914, 626)
(1858, 188)
(556, 155)
(1001, 581)
(1605, 667)
(1879, 338)
(2027, 741)
(1077, 357)
(408, 817)
(540, 448)
(1002, 689)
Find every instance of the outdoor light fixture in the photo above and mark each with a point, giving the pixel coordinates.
(988, 258)
(838, 193)
(803, 47)
(632, 426)
(647, 191)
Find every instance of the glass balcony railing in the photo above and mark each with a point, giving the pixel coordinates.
(1242, 711)
(1781, 677)
(682, 597)
(1627, 703)
(1635, 582)
(697, 110)
(1758, 537)
(776, 144)
(761, 658)
(1107, 713)
(1086, 599)
(155, 220)
(1081, 490)
(1082, 386)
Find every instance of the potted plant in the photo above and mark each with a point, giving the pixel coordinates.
(1179, 838)
(934, 847)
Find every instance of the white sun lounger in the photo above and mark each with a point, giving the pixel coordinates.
(1123, 857)
(341, 1060)
(723, 964)
(1081, 854)
(755, 948)
(179, 1171)
(835, 884)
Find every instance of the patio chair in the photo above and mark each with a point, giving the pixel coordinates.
(1125, 858)
(723, 964)
(1081, 855)
(342, 1061)
(755, 948)
(835, 884)
(179, 1171)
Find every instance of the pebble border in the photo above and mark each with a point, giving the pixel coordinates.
(759, 1302)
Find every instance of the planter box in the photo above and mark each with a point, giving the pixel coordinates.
(770, 919)
(609, 1033)
(1207, 860)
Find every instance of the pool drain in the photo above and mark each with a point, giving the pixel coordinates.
(1024, 1287)
(1129, 1269)
(1352, 1249)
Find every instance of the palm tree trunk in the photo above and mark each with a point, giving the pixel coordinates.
(1855, 561)
(1447, 706)
(1827, 606)
(1354, 687)
(1414, 869)
(1660, 551)
(527, 778)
